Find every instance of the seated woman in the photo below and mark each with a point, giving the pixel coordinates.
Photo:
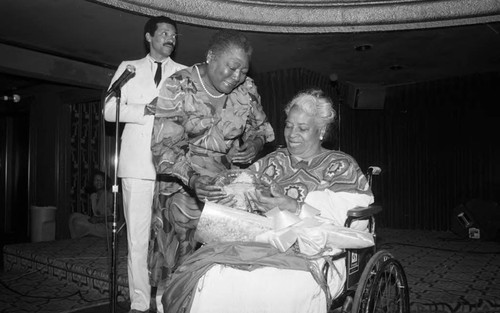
(255, 277)
(101, 202)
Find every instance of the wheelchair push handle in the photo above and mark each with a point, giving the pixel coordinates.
(372, 171)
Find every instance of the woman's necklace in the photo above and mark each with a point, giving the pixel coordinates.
(205, 88)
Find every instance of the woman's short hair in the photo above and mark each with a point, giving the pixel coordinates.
(315, 103)
(226, 39)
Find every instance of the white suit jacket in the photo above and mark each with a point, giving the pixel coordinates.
(135, 159)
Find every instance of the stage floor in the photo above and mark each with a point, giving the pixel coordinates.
(445, 273)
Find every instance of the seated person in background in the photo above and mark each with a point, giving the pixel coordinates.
(255, 277)
(101, 201)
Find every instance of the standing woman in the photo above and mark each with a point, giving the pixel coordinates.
(207, 118)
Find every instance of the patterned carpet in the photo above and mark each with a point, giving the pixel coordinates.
(33, 292)
(60, 276)
(445, 274)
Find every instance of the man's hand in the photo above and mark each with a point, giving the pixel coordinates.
(150, 108)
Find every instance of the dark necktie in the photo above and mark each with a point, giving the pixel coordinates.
(158, 73)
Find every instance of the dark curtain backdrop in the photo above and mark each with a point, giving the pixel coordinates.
(437, 145)
(14, 182)
(86, 141)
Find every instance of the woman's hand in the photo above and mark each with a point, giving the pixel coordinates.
(205, 189)
(229, 201)
(247, 152)
(266, 202)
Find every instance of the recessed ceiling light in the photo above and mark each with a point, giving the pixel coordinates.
(396, 67)
(364, 47)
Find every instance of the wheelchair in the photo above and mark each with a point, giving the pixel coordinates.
(376, 281)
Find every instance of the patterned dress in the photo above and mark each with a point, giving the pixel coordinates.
(333, 170)
(192, 134)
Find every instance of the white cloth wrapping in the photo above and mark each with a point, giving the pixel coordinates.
(314, 233)
(219, 223)
(227, 289)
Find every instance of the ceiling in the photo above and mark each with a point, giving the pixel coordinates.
(102, 35)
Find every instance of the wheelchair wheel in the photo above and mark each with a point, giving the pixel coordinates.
(390, 291)
(383, 286)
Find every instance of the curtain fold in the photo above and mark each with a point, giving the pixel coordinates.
(85, 148)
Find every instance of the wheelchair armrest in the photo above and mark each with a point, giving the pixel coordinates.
(363, 212)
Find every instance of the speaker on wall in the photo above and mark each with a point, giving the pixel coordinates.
(365, 96)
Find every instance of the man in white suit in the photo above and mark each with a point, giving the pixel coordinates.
(135, 160)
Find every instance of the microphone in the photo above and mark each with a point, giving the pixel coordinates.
(127, 74)
(14, 98)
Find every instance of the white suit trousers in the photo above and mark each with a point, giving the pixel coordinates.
(137, 207)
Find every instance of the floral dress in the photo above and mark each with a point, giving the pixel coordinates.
(192, 134)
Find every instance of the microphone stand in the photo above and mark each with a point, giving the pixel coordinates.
(113, 289)
(116, 89)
